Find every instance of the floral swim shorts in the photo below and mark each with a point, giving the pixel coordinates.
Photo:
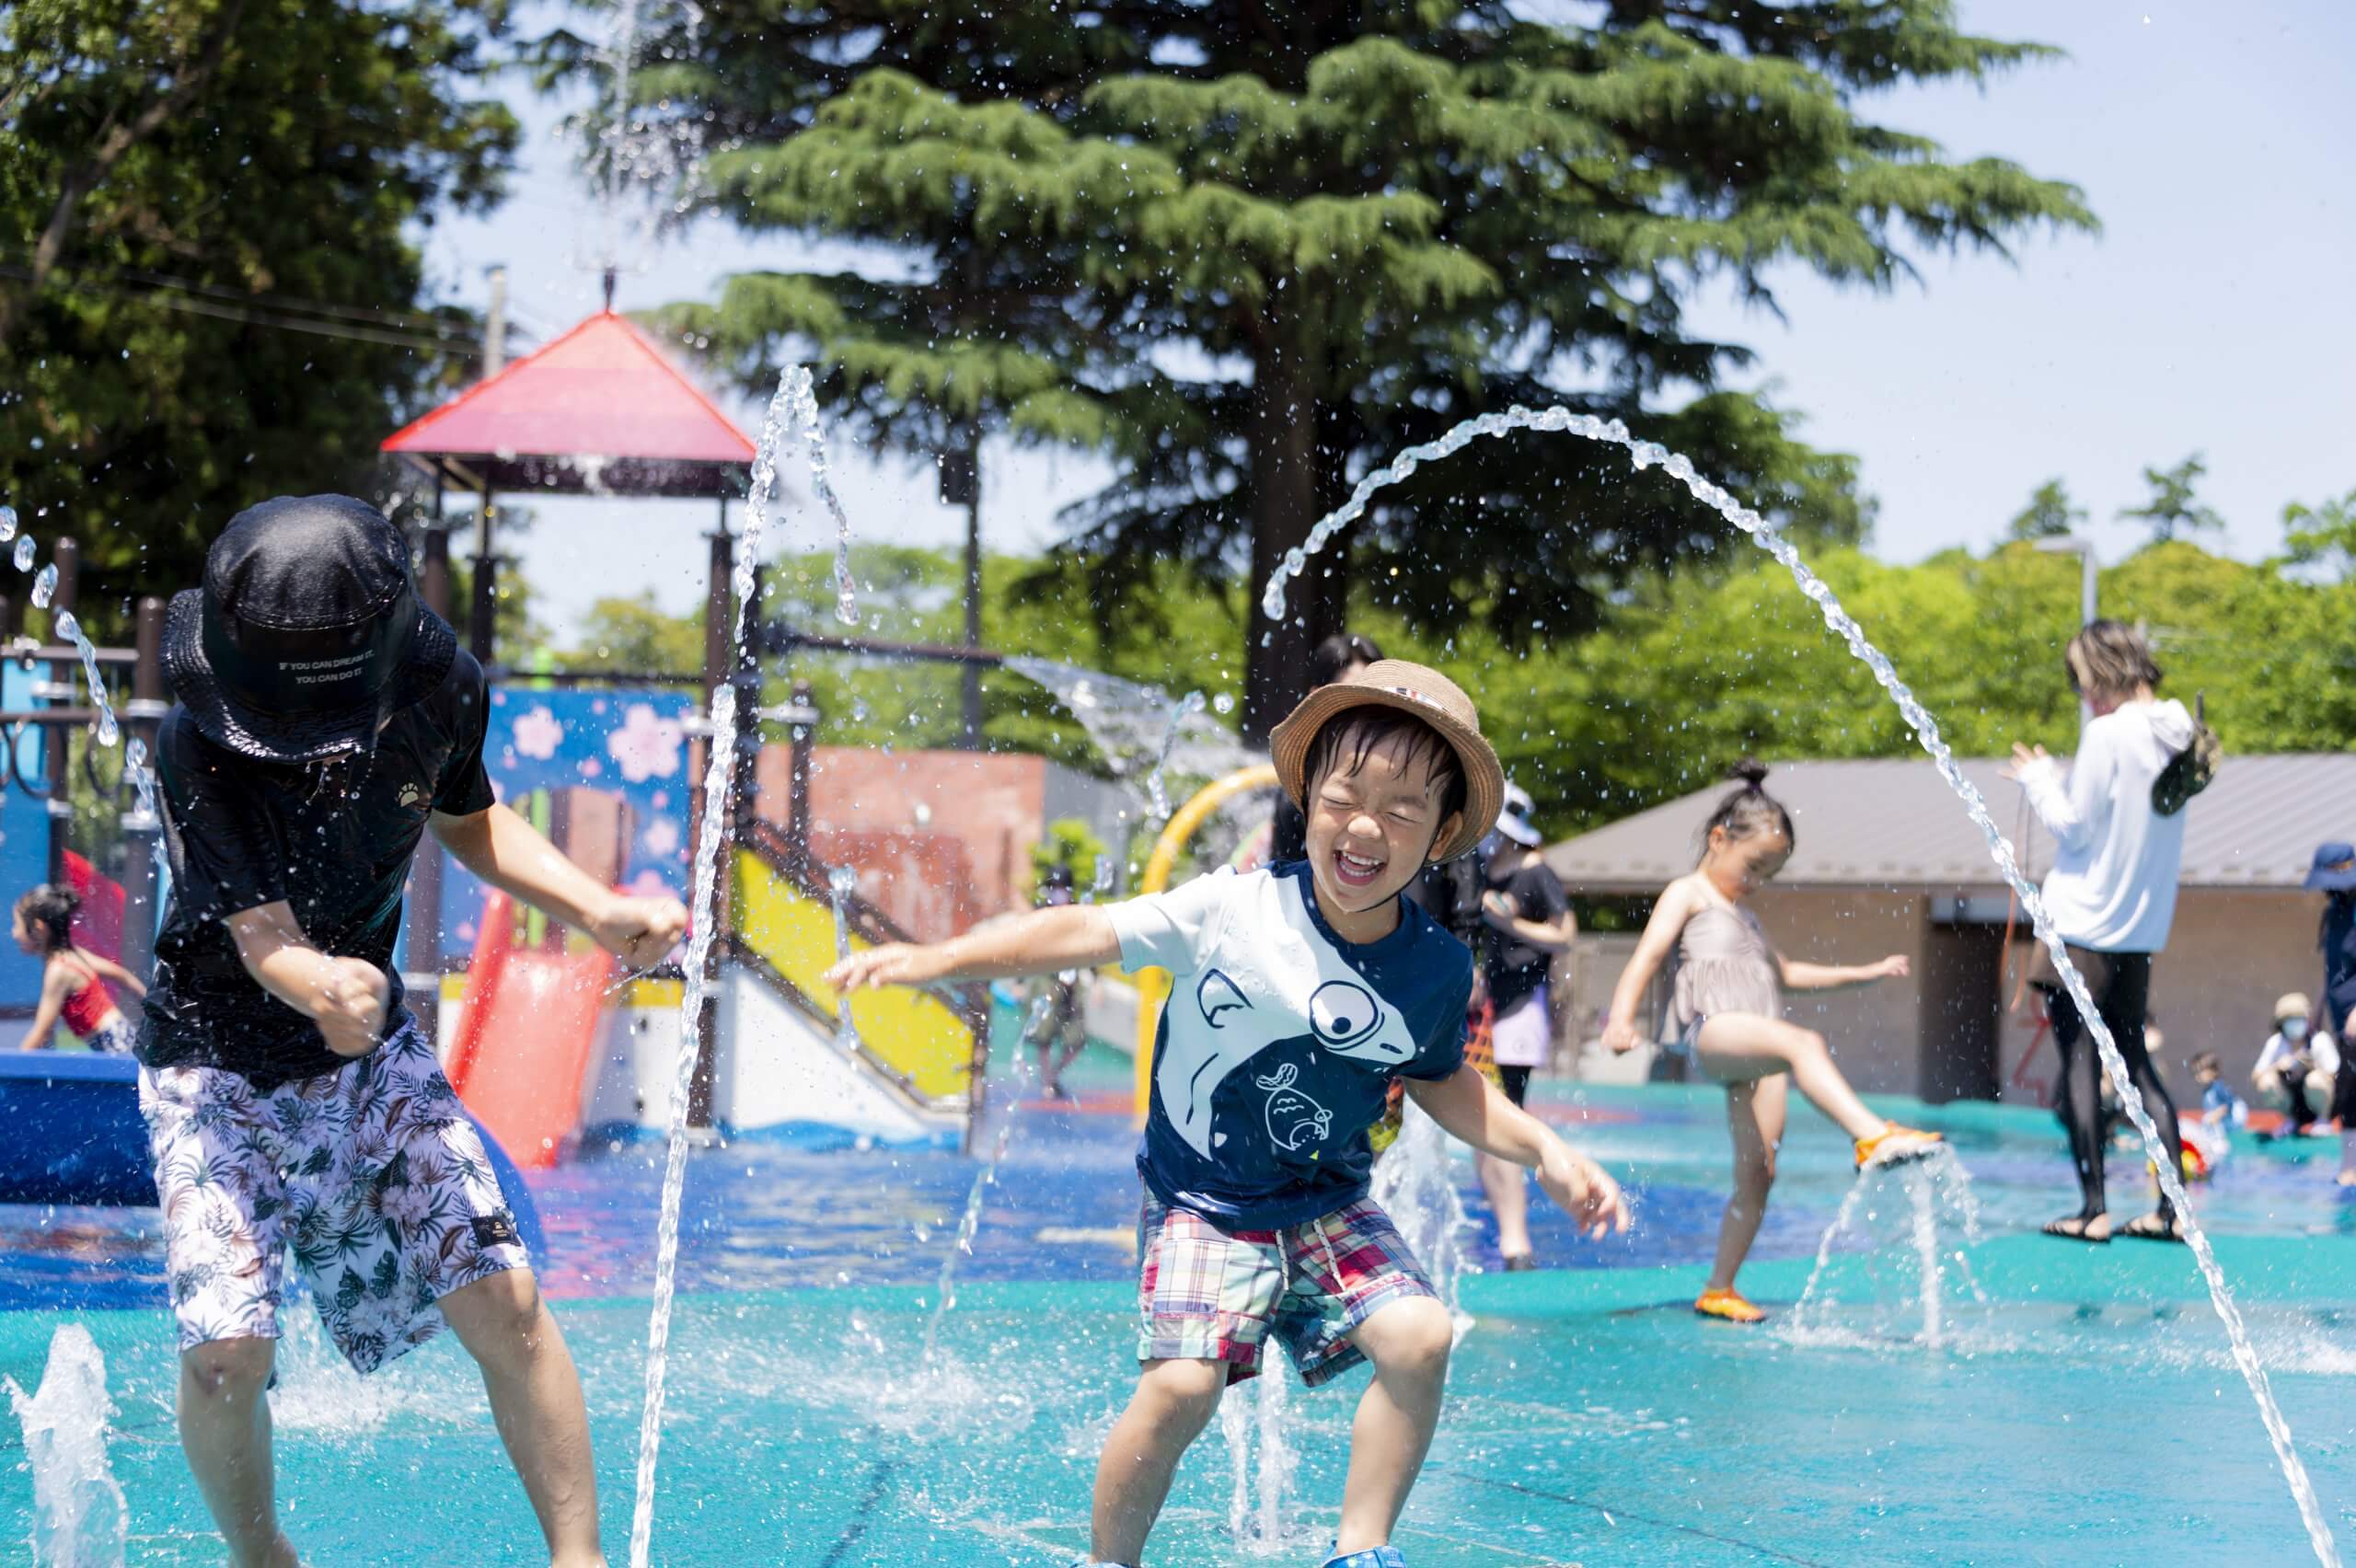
(1205, 1294)
(371, 1173)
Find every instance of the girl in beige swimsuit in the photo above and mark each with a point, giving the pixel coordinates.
(1729, 1014)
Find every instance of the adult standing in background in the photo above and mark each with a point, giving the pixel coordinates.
(2112, 893)
(1339, 657)
(2334, 875)
(1527, 918)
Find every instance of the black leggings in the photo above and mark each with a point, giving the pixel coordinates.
(2121, 983)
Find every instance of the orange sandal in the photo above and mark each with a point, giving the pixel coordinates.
(1728, 1305)
(1894, 1144)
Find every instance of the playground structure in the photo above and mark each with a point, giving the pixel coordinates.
(542, 1043)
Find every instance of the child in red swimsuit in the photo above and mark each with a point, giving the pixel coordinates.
(74, 979)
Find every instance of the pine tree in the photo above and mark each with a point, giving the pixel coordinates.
(2173, 505)
(1251, 248)
(2049, 514)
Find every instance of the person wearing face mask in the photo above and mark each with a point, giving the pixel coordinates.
(1055, 1021)
(2296, 1071)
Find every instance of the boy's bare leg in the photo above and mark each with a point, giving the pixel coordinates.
(224, 1431)
(1174, 1402)
(535, 1400)
(1408, 1342)
(1508, 1193)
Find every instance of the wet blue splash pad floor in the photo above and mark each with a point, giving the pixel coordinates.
(2085, 1412)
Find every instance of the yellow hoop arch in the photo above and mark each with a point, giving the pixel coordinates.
(1153, 984)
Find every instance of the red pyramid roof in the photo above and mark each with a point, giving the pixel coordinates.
(603, 390)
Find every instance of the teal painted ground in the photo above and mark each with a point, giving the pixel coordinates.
(2085, 1412)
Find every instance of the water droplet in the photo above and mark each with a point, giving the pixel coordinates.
(44, 585)
(7, 523)
(24, 557)
(1223, 703)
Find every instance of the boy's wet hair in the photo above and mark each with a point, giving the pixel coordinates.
(1747, 809)
(49, 910)
(2110, 658)
(1351, 735)
(2207, 1062)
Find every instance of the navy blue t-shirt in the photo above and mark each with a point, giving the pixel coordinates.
(2339, 942)
(1280, 1041)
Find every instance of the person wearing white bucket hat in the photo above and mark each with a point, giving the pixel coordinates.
(1527, 921)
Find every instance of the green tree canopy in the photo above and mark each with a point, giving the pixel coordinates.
(2173, 506)
(2049, 514)
(210, 279)
(1249, 247)
(2323, 535)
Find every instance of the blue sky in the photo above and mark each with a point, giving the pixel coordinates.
(2212, 312)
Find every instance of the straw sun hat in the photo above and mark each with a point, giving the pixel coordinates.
(1411, 688)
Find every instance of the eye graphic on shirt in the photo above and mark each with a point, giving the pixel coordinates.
(1343, 1014)
(410, 795)
(1218, 996)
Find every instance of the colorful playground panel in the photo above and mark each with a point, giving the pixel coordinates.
(919, 1036)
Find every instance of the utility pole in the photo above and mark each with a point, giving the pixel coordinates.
(494, 326)
(482, 617)
(2088, 582)
(960, 485)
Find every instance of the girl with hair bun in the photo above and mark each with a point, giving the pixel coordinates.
(74, 979)
(1728, 1011)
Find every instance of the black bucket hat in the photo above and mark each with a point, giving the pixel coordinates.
(306, 633)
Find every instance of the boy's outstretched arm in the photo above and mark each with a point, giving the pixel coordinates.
(510, 855)
(1468, 1107)
(1076, 936)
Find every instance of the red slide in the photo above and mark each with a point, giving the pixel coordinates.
(521, 1058)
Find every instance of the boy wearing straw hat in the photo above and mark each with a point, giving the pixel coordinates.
(1302, 992)
(325, 720)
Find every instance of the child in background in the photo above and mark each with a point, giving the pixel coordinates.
(1053, 1021)
(1301, 994)
(1729, 1014)
(2220, 1106)
(72, 978)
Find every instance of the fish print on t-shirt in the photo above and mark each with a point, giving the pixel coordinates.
(1319, 990)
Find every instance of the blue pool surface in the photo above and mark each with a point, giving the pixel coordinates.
(2057, 1404)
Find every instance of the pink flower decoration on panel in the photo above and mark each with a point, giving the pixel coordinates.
(538, 735)
(649, 885)
(590, 767)
(645, 746)
(661, 835)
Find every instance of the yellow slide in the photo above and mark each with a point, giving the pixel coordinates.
(914, 1033)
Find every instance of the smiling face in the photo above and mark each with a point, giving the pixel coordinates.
(1741, 867)
(1374, 812)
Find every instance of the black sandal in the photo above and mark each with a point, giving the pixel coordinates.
(2153, 1227)
(2074, 1227)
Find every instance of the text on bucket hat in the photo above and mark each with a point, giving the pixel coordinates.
(1413, 689)
(307, 632)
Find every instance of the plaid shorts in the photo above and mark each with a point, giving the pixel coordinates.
(371, 1173)
(1205, 1294)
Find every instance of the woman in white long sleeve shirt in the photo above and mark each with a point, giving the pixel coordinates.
(2112, 895)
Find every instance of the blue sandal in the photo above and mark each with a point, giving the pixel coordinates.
(1373, 1557)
